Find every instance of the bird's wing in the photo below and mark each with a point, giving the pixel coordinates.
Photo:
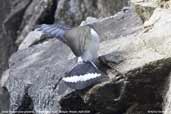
(82, 76)
(75, 38)
(53, 30)
(83, 42)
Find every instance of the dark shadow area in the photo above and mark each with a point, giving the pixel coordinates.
(74, 103)
(49, 16)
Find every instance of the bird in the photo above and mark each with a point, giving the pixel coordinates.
(84, 42)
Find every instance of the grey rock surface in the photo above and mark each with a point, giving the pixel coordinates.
(35, 73)
(5, 43)
(51, 56)
(34, 14)
(108, 28)
(6, 48)
(4, 100)
(72, 12)
(12, 22)
(145, 60)
(133, 53)
(24, 15)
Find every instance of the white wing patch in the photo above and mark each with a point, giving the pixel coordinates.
(75, 79)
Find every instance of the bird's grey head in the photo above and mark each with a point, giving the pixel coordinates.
(91, 25)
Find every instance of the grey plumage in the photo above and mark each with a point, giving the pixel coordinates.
(83, 40)
(84, 43)
(54, 30)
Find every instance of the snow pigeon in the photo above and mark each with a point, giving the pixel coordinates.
(84, 43)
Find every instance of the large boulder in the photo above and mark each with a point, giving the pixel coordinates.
(136, 57)
(37, 12)
(6, 45)
(108, 28)
(145, 61)
(18, 18)
(73, 12)
(6, 48)
(145, 8)
(25, 14)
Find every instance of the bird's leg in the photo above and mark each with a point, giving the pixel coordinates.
(79, 60)
(93, 64)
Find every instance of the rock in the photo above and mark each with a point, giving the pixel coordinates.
(4, 77)
(25, 61)
(144, 89)
(158, 13)
(26, 14)
(165, 4)
(34, 14)
(167, 98)
(73, 15)
(6, 44)
(4, 94)
(13, 21)
(144, 8)
(4, 100)
(145, 62)
(88, 21)
(35, 72)
(5, 8)
(6, 48)
(30, 39)
(10, 24)
(135, 57)
(104, 26)
(72, 12)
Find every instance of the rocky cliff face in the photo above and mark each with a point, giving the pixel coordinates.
(6, 48)
(134, 55)
(18, 17)
(6, 44)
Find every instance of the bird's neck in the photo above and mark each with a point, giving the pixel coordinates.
(92, 26)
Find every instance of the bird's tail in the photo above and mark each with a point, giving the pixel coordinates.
(82, 76)
(53, 30)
